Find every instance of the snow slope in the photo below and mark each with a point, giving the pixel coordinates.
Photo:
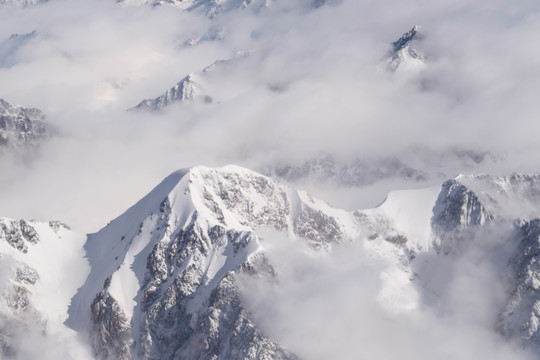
(176, 253)
(161, 280)
(42, 265)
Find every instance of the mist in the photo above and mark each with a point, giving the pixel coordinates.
(337, 303)
(25, 333)
(311, 85)
(312, 81)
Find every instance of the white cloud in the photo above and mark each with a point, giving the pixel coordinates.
(327, 305)
(310, 86)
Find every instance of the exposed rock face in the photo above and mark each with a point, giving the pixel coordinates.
(214, 8)
(405, 39)
(164, 278)
(185, 91)
(41, 266)
(16, 308)
(468, 203)
(191, 89)
(403, 53)
(520, 319)
(409, 165)
(355, 172)
(111, 332)
(510, 197)
(457, 208)
(21, 3)
(183, 247)
(17, 311)
(205, 318)
(210, 8)
(17, 233)
(21, 126)
(456, 211)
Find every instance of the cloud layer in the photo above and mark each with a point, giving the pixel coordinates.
(311, 85)
(328, 305)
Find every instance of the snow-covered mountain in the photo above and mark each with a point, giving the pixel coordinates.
(176, 255)
(20, 126)
(162, 280)
(210, 8)
(404, 56)
(345, 98)
(192, 88)
(21, 3)
(185, 91)
(416, 164)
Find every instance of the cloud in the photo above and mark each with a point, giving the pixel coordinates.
(328, 305)
(310, 86)
(24, 334)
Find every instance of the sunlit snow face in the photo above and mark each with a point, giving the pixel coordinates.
(311, 85)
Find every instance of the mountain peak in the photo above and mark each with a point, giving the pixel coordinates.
(20, 126)
(403, 53)
(406, 39)
(230, 196)
(185, 242)
(165, 274)
(185, 91)
(21, 3)
(210, 8)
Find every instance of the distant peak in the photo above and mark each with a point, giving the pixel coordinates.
(20, 126)
(406, 38)
(403, 52)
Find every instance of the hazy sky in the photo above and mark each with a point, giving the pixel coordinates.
(313, 83)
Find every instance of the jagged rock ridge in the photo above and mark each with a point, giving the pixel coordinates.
(186, 90)
(210, 8)
(183, 247)
(21, 3)
(209, 218)
(362, 171)
(191, 88)
(456, 211)
(521, 316)
(163, 277)
(20, 126)
(404, 54)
